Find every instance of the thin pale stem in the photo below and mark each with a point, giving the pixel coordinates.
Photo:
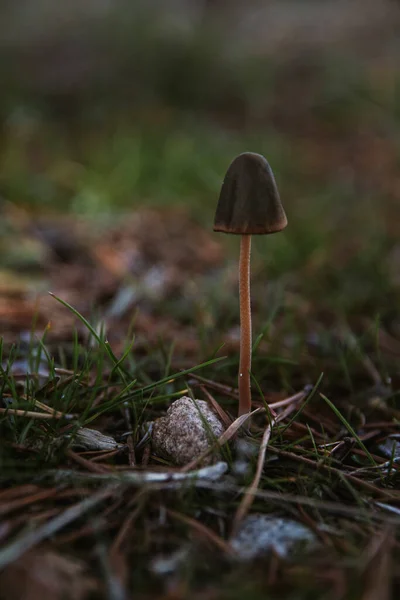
(245, 326)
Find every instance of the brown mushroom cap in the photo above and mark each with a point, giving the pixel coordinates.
(249, 201)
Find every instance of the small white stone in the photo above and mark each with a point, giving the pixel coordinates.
(259, 534)
(189, 429)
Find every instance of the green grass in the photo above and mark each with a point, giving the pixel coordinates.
(176, 162)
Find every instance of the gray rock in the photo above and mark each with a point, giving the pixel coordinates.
(187, 431)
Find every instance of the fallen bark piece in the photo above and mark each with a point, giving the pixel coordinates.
(91, 439)
(188, 430)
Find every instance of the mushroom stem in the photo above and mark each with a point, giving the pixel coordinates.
(245, 326)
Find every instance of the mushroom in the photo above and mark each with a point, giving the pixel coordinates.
(248, 204)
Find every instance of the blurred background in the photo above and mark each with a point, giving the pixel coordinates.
(111, 107)
(106, 103)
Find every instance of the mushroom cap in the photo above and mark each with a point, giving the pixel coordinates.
(249, 201)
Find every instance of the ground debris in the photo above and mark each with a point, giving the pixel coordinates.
(91, 439)
(139, 478)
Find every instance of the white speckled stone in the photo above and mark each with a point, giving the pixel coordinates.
(259, 534)
(187, 430)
